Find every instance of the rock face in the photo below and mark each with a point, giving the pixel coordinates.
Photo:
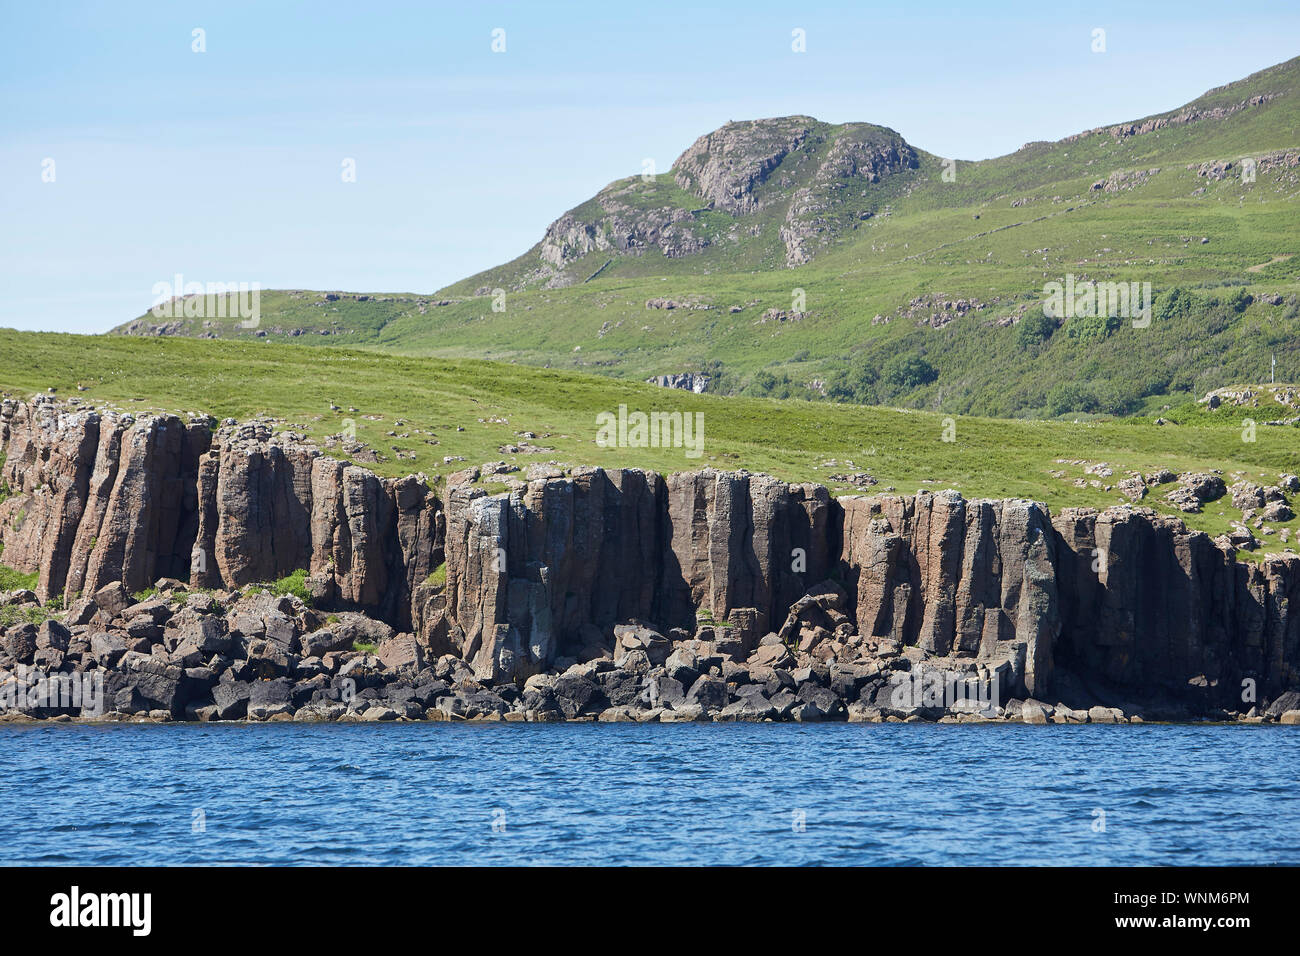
(1148, 602)
(736, 541)
(560, 561)
(726, 167)
(814, 174)
(664, 589)
(957, 578)
(98, 498)
(696, 382)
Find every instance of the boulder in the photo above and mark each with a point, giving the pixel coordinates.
(709, 692)
(1290, 700)
(20, 642)
(52, 634)
(268, 698)
(320, 642)
(401, 652)
(575, 696)
(112, 598)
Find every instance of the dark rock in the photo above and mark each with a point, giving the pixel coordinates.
(319, 643)
(1282, 703)
(112, 598)
(107, 648)
(20, 642)
(52, 634)
(620, 687)
(576, 695)
(269, 697)
(709, 692)
(827, 703)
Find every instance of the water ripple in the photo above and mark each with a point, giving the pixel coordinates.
(418, 794)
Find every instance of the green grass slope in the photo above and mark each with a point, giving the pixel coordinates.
(416, 412)
(920, 303)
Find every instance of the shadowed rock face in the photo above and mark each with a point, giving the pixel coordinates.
(1122, 598)
(555, 560)
(736, 540)
(1149, 602)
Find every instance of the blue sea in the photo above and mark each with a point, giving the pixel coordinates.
(785, 794)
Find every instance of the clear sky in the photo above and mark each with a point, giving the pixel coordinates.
(226, 165)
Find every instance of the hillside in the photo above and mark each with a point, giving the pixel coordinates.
(795, 258)
(400, 415)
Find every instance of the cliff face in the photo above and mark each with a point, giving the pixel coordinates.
(98, 498)
(1120, 599)
(1148, 603)
(958, 578)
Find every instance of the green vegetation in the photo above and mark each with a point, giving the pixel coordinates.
(292, 585)
(28, 614)
(913, 347)
(1220, 254)
(796, 440)
(438, 577)
(11, 580)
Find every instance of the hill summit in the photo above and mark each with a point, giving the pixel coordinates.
(794, 258)
(808, 178)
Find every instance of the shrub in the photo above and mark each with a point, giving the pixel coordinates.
(1034, 328)
(909, 371)
(1173, 303)
(854, 384)
(1071, 397)
(1092, 328)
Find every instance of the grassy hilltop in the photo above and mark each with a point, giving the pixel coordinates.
(916, 291)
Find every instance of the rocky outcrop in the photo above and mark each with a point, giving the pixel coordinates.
(696, 382)
(957, 579)
(735, 540)
(725, 167)
(555, 562)
(815, 172)
(97, 498)
(1188, 114)
(688, 588)
(1149, 603)
(103, 497)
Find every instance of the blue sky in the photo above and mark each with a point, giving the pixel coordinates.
(225, 165)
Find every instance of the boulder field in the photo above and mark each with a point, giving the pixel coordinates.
(609, 594)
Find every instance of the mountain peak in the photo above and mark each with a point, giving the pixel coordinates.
(786, 180)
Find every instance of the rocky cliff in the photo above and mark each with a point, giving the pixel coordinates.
(813, 178)
(739, 579)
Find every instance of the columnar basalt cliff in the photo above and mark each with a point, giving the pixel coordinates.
(703, 593)
(97, 498)
(273, 504)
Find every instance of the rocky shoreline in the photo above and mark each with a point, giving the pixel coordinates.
(592, 594)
